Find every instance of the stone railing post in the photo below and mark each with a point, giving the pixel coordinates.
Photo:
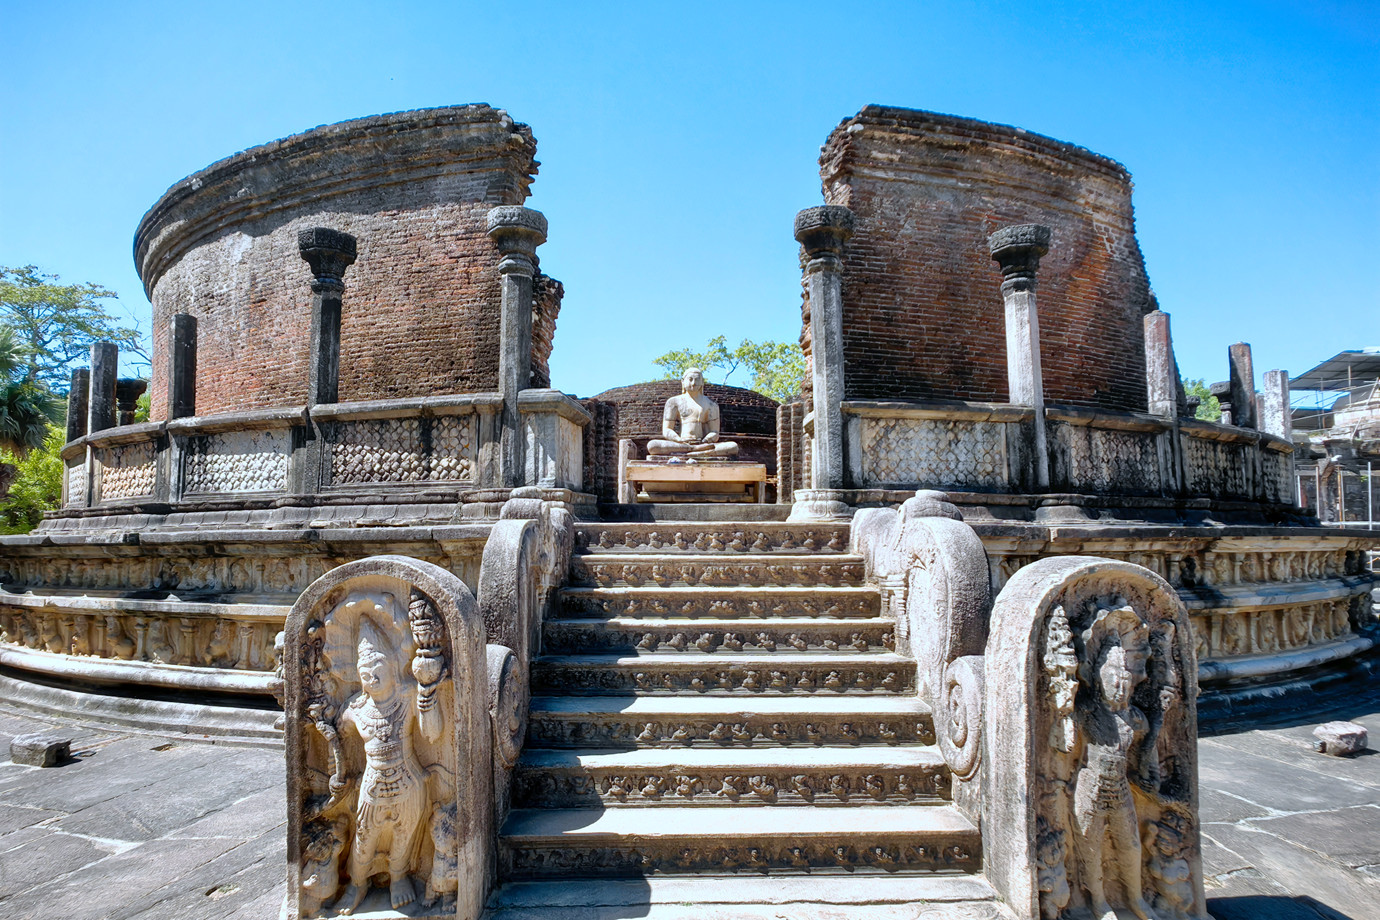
(77, 398)
(329, 253)
(1018, 250)
(823, 231)
(182, 366)
(1242, 381)
(127, 393)
(1275, 416)
(100, 406)
(1162, 390)
(517, 232)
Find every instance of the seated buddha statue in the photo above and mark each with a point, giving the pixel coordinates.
(690, 424)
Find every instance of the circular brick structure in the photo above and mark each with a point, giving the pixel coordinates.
(421, 305)
(922, 307)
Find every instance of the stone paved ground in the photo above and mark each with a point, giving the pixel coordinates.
(138, 826)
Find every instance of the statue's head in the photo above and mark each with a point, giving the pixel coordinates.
(375, 670)
(692, 381)
(1117, 650)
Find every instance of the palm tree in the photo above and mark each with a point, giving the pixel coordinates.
(27, 408)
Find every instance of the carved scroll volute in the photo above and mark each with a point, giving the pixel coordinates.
(1090, 773)
(386, 704)
(934, 572)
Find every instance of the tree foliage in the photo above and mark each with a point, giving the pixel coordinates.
(27, 407)
(56, 324)
(1209, 408)
(37, 484)
(776, 368)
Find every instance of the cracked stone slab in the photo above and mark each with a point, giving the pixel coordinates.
(1350, 836)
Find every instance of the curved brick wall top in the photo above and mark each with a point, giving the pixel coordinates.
(641, 404)
(421, 308)
(923, 315)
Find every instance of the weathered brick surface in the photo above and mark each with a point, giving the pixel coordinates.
(923, 315)
(422, 301)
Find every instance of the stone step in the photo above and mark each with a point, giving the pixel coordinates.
(720, 603)
(828, 776)
(712, 537)
(747, 897)
(769, 720)
(714, 636)
(823, 673)
(604, 570)
(862, 839)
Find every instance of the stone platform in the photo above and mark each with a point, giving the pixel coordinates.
(698, 481)
(144, 827)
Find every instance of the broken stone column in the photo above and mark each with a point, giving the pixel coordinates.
(100, 406)
(127, 393)
(77, 398)
(1242, 381)
(1275, 416)
(823, 232)
(1222, 391)
(182, 366)
(328, 252)
(517, 231)
(1018, 250)
(1161, 378)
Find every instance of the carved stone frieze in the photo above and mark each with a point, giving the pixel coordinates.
(548, 788)
(75, 472)
(702, 538)
(1105, 461)
(127, 470)
(719, 573)
(656, 676)
(595, 602)
(933, 452)
(872, 635)
(396, 450)
(1218, 468)
(960, 854)
(237, 461)
(560, 731)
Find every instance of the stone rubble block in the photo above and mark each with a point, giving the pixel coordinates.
(40, 750)
(1340, 739)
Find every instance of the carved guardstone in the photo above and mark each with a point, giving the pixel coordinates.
(1091, 736)
(388, 744)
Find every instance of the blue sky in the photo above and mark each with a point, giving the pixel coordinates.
(677, 141)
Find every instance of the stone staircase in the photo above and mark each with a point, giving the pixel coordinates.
(726, 700)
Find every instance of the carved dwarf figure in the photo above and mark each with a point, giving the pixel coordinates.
(393, 801)
(1112, 731)
(697, 417)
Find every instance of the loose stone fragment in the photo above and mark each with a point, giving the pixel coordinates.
(42, 750)
(1340, 739)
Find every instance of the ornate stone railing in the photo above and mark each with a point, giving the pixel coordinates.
(397, 448)
(1078, 686)
(991, 447)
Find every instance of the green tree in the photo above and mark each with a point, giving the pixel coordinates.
(27, 407)
(37, 484)
(55, 324)
(777, 368)
(1209, 409)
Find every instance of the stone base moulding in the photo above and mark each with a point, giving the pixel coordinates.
(698, 481)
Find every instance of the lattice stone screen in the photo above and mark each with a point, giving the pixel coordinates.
(1219, 468)
(127, 470)
(401, 450)
(935, 452)
(238, 461)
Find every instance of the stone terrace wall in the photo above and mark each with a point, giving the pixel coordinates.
(923, 315)
(421, 308)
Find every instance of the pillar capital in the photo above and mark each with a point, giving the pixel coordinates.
(328, 252)
(822, 231)
(1017, 250)
(517, 232)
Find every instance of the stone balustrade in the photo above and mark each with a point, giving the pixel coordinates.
(393, 450)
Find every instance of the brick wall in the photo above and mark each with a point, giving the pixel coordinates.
(923, 315)
(422, 301)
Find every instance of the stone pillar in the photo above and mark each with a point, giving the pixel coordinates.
(329, 253)
(1222, 391)
(1242, 380)
(517, 231)
(822, 231)
(1018, 250)
(127, 393)
(77, 398)
(100, 411)
(1275, 417)
(182, 366)
(1161, 380)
